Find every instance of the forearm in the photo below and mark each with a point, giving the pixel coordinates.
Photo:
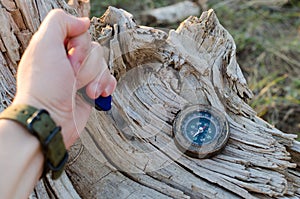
(21, 162)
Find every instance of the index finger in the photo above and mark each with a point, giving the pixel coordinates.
(58, 25)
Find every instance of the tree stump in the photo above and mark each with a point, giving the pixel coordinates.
(129, 152)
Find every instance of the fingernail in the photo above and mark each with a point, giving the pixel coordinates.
(108, 90)
(96, 90)
(110, 87)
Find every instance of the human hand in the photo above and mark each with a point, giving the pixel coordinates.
(59, 60)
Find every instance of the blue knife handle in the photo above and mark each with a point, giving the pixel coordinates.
(101, 103)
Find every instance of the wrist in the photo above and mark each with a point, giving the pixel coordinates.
(39, 123)
(35, 102)
(32, 101)
(23, 157)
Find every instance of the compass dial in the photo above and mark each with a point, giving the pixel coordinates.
(200, 131)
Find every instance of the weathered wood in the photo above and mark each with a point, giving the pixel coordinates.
(81, 6)
(163, 73)
(19, 20)
(129, 152)
(171, 14)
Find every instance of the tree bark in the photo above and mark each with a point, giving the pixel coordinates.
(129, 151)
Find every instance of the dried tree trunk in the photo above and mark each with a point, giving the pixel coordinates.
(132, 147)
(19, 20)
(171, 14)
(129, 152)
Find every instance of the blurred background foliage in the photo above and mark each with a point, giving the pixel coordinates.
(267, 35)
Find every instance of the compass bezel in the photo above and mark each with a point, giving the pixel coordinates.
(206, 150)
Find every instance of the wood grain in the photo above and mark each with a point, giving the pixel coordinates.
(159, 74)
(129, 151)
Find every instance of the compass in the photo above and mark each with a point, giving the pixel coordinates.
(200, 131)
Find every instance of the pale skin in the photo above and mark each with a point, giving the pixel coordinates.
(59, 60)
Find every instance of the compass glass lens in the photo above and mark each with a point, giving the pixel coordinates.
(200, 127)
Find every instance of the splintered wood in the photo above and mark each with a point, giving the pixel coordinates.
(131, 149)
(129, 152)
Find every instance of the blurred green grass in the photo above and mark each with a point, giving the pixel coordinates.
(268, 51)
